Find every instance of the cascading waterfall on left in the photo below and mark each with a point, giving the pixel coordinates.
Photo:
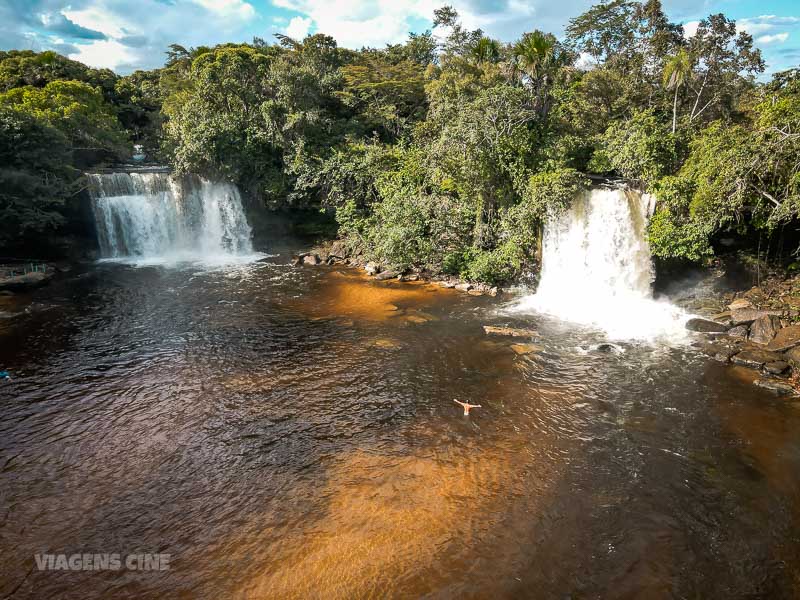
(153, 217)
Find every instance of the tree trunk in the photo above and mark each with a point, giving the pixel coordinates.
(675, 110)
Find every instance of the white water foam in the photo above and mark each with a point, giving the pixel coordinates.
(152, 218)
(597, 270)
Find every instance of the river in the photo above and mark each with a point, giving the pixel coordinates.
(291, 432)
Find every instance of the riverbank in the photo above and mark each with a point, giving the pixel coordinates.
(757, 328)
(334, 252)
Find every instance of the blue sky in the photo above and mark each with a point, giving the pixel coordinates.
(125, 35)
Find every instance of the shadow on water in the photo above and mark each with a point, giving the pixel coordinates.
(291, 432)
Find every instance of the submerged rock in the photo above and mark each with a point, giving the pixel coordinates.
(510, 331)
(764, 329)
(523, 349)
(26, 281)
(705, 326)
(609, 348)
(778, 386)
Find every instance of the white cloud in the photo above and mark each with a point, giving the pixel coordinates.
(104, 54)
(99, 18)
(298, 27)
(690, 28)
(769, 39)
(357, 23)
(764, 23)
(229, 8)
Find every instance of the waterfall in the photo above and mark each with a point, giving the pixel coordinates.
(155, 217)
(597, 269)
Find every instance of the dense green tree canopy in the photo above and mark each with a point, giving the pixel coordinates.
(444, 154)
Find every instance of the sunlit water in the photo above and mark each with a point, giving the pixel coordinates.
(291, 432)
(597, 271)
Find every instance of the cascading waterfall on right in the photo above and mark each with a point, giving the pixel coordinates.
(597, 269)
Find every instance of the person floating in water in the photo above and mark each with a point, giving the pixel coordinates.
(466, 406)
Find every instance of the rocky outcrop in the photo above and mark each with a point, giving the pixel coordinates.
(764, 329)
(785, 339)
(755, 359)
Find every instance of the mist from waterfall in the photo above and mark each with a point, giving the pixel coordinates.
(597, 269)
(153, 217)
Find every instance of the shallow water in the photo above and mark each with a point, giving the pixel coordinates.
(291, 432)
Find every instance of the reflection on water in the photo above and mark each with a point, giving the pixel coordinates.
(291, 432)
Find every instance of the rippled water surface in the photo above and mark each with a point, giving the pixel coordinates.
(291, 432)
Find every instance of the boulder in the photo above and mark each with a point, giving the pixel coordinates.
(786, 338)
(475, 292)
(372, 268)
(387, 275)
(745, 316)
(755, 359)
(705, 326)
(338, 249)
(493, 291)
(297, 261)
(740, 303)
(446, 284)
(777, 367)
(609, 348)
(723, 317)
(311, 259)
(739, 332)
(510, 331)
(463, 287)
(793, 356)
(764, 329)
(777, 386)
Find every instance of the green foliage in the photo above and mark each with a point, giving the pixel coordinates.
(35, 176)
(442, 156)
(76, 109)
(641, 148)
(674, 232)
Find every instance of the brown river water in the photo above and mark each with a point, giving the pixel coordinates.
(288, 432)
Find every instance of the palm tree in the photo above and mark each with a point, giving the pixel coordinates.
(539, 56)
(676, 70)
(485, 50)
